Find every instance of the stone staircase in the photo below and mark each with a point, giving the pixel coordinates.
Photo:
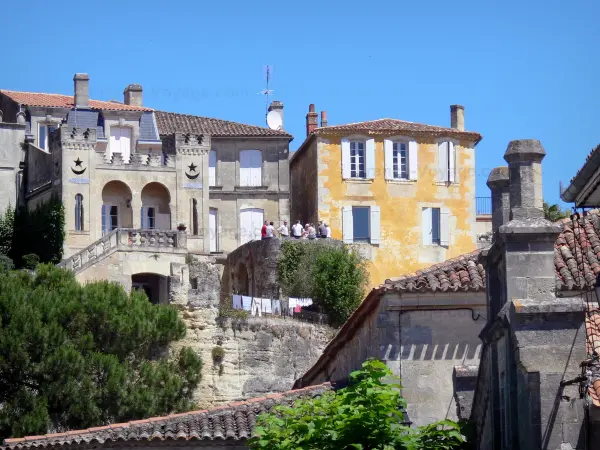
(129, 240)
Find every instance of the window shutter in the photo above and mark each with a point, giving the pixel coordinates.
(104, 221)
(257, 168)
(375, 225)
(444, 227)
(452, 162)
(443, 161)
(143, 218)
(412, 160)
(345, 158)
(125, 143)
(347, 224)
(370, 158)
(388, 150)
(114, 145)
(426, 227)
(212, 168)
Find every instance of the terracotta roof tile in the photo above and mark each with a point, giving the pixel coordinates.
(234, 421)
(65, 101)
(395, 125)
(169, 123)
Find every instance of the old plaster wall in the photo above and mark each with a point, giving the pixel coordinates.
(401, 202)
(303, 189)
(12, 137)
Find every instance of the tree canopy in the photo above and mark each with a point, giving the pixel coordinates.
(554, 212)
(75, 356)
(365, 415)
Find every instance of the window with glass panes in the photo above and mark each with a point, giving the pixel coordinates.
(357, 159)
(400, 160)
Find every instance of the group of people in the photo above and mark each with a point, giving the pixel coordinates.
(308, 231)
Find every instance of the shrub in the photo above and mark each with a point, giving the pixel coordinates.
(226, 310)
(7, 228)
(217, 354)
(31, 261)
(6, 264)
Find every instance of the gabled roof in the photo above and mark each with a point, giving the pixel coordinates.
(169, 123)
(65, 101)
(380, 126)
(582, 177)
(235, 421)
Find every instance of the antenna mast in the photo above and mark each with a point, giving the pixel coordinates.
(266, 92)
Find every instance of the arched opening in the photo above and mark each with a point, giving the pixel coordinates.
(79, 212)
(156, 213)
(116, 206)
(155, 286)
(241, 281)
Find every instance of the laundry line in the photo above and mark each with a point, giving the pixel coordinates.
(257, 306)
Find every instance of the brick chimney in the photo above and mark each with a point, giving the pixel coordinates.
(312, 119)
(132, 95)
(498, 182)
(457, 117)
(323, 119)
(277, 106)
(82, 83)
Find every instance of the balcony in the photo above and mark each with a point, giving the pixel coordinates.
(483, 206)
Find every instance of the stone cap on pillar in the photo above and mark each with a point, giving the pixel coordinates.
(498, 178)
(530, 150)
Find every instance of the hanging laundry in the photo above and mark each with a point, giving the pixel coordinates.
(237, 301)
(266, 306)
(292, 302)
(247, 303)
(276, 307)
(256, 306)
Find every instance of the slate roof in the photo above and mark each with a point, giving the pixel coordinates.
(148, 128)
(169, 123)
(85, 118)
(396, 126)
(234, 421)
(65, 101)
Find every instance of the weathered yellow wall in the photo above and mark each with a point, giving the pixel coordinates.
(401, 250)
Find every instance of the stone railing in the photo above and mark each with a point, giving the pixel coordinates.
(126, 239)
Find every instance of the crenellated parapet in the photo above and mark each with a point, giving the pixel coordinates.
(77, 138)
(192, 144)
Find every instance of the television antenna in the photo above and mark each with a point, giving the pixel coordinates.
(266, 92)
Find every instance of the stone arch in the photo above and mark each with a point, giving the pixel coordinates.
(116, 206)
(156, 206)
(241, 280)
(154, 285)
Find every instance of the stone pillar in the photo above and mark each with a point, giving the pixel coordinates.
(498, 182)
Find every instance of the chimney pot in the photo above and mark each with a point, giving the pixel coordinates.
(323, 119)
(457, 117)
(312, 120)
(277, 106)
(524, 158)
(499, 184)
(132, 95)
(81, 94)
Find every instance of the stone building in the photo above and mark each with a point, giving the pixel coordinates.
(403, 192)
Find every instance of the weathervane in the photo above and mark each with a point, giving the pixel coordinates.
(267, 91)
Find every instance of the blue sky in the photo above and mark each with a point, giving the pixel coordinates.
(522, 69)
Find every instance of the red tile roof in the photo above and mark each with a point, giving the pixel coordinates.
(65, 101)
(169, 123)
(235, 421)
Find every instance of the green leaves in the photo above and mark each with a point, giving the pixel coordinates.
(554, 212)
(365, 415)
(75, 356)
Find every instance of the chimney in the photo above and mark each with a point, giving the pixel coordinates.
(312, 119)
(132, 95)
(277, 106)
(82, 82)
(323, 119)
(498, 182)
(524, 158)
(457, 117)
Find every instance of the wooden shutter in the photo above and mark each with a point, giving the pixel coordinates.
(114, 144)
(413, 170)
(375, 224)
(345, 158)
(143, 218)
(245, 168)
(125, 140)
(451, 162)
(426, 227)
(444, 227)
(212, 168)
(443, 161)
(245, 226)
(257, 220)
(388, 150)
(370, 158)
(347, 225)
(257, 168)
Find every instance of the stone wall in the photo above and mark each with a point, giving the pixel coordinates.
(12, 136)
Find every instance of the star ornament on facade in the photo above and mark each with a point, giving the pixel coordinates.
(78, 162)
(192, 167)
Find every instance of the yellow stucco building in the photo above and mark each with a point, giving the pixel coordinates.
(402, 192)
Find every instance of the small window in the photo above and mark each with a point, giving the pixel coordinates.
(357, 160)
(79, 212)
(435, 226)
(151, 218)
(114, 217)
(195, 217)
(44, 135)
(400, 160)
(360, 225)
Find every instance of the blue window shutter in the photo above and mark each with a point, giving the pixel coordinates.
(142, 224)
(435, 225)
(104, 221)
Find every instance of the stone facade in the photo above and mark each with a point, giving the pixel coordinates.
(12, 154)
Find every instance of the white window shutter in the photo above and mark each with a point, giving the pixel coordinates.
(347, 224)
(426, 228)
(345, 158)
(125, 144)
(212, 168)
(444, 227)
(412, 160)
(114, 146)
(370, 158)
(388, 150)
(257, 168)
(375, 225)
(443, 161)
(452, 162)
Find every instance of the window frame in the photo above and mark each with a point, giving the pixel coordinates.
(151, 218)
(436, 226)
(396, 160)
(79, 213)
(356, 173)
(361, 240)
(253, 179)
(216, 214)
(45, 145)
(110, 217)
(447, 170)
(212, 174)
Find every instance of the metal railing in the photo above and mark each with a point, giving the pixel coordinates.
(483, 205)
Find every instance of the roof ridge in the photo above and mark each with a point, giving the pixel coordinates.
(39, 93)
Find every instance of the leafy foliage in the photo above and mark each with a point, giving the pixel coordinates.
(365, 415)
(227, 310)
(335, 277)
(6, 263)
(217, 354)
(7, 227)
(74, 356)
(30, 261)
(554, 212)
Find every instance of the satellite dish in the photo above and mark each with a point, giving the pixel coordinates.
(274, 120)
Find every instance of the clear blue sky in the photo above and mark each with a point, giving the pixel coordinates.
(523, 69)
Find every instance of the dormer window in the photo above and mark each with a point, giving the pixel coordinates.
(44, 131)
(120, 142)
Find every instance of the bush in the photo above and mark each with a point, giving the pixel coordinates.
(217, 354)
(6, 263)
(30, 261)
(227, 310)
(7, 228)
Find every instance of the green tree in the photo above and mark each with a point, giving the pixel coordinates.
(365, 415)
(75, 356)
(7, 227)
(554, 212)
